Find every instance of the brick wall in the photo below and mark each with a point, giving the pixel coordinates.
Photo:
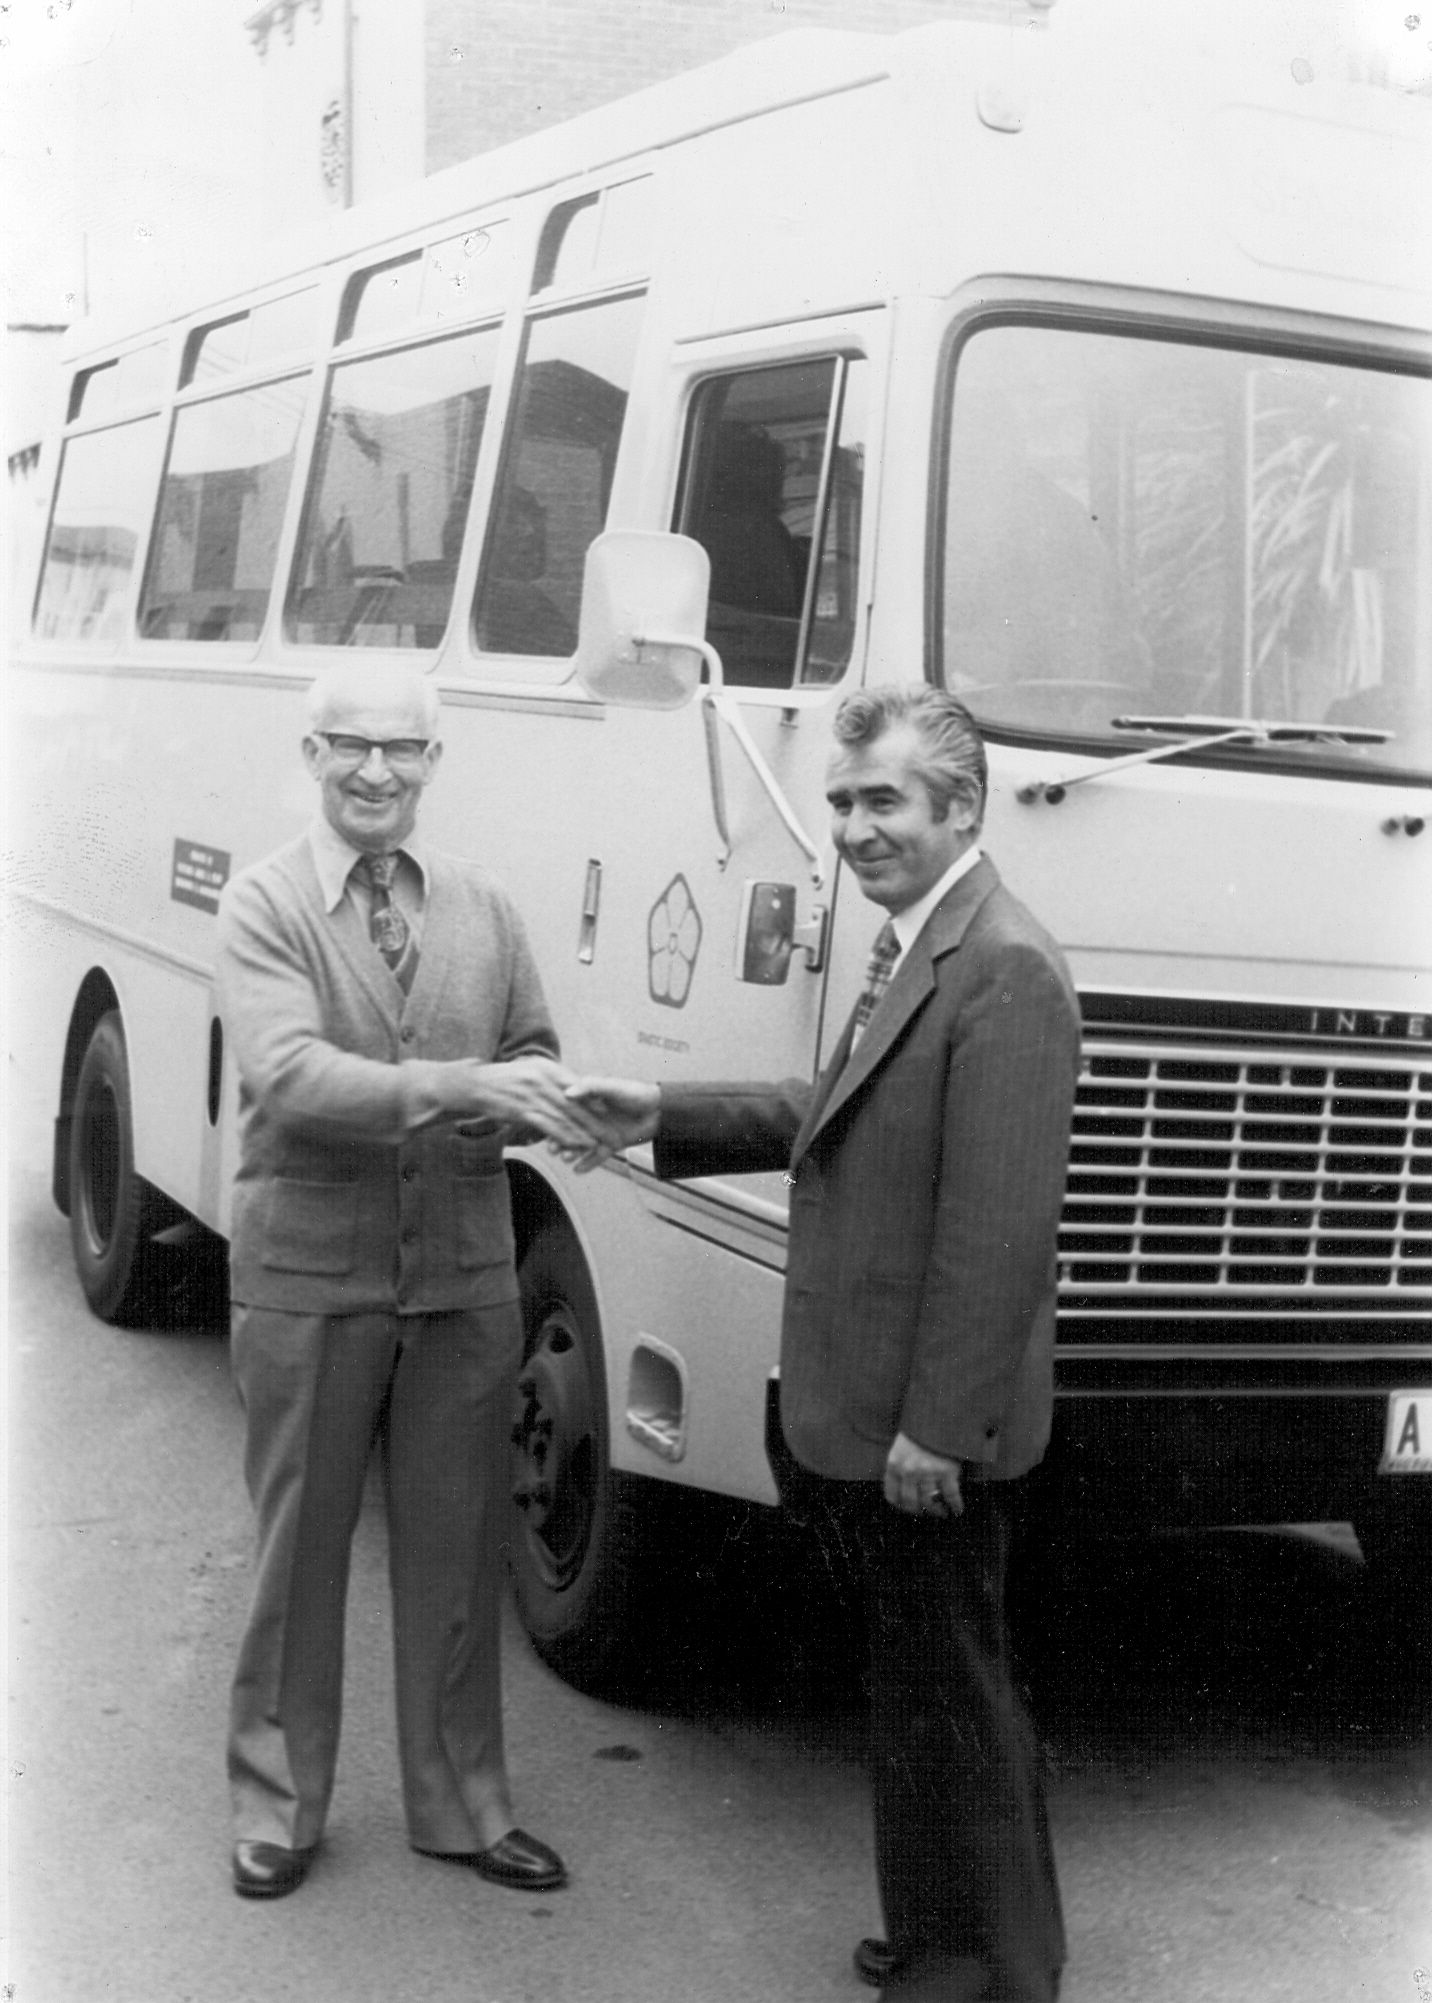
(497, 69)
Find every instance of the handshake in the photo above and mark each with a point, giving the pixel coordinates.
(584, 1120)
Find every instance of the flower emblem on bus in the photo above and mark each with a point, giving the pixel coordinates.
(673, 933)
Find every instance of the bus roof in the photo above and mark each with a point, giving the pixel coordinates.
(1215, 127)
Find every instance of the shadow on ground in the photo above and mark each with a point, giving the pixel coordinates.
(1244, 1644)
(186, 1286)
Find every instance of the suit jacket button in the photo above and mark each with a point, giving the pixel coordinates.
(406, 1033)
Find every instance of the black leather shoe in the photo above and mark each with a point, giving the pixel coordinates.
(516, 1859)
(875, 1961)
(268, 1871)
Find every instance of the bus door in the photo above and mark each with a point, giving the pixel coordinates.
(771, 486)
(710, 893)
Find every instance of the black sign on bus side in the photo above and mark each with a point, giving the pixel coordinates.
(200, 873)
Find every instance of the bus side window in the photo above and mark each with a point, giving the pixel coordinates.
(221, 507)
(552, 492)
(103, 502)
(388, 500)
(772, 471)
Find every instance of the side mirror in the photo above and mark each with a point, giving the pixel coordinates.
(641, 641)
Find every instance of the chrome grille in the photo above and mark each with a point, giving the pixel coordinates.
(1247, 1174)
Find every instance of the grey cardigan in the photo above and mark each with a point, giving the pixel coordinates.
(357, 1187)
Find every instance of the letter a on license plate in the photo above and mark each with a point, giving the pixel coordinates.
(1407, 1448)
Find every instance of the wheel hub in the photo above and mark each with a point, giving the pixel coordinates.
(554, 1438)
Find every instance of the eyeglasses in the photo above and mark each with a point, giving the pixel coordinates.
(358, 750)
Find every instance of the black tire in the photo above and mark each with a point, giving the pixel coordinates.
(113, 1211)
(577, 1535)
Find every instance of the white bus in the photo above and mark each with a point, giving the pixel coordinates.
(1065, 366)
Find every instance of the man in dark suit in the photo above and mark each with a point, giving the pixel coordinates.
(927, 1170)
(389, 1033)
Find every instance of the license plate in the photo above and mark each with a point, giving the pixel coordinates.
(1407, 1445)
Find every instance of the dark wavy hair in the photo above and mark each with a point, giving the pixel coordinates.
(952, 754)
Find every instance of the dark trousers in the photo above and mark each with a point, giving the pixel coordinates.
(316, 1390)
(962, 1850)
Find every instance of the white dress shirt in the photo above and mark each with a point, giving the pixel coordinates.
(910, 922)
(335, 860)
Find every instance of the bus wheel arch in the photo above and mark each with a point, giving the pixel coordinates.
(113, 1212)
(575, 1549)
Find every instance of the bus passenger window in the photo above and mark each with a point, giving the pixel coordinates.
(110, 388)
(468, 276)
(103, 504)
(598, 238)
(773, 469)
(556, 477)
(216, 350)
(379, 302)
(388, 499)
(221, 507)
(258, 338)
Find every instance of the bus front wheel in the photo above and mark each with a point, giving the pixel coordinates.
(113, 1211)
(575, 1537)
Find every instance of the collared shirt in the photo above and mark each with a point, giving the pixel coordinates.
(910, 922)
(338, 877)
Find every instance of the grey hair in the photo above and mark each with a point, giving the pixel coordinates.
(952, 754)
(381, 682)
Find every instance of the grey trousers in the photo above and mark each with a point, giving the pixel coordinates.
(316, 1391)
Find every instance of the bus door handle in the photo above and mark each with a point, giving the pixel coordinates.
(767, 934)
(591, 905)
(814, 935)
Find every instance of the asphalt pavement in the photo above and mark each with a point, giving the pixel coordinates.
(1237, 1819)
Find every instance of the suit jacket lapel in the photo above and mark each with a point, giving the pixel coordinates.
(911, 988)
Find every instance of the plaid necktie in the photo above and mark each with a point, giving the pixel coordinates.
(883, 955)
(387, 927)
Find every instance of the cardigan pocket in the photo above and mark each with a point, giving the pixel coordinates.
(310, 1227)
(484, 1217)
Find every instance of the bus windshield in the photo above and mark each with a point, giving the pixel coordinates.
(1142, 534)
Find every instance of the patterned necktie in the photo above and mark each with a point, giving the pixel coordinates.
(387, 927)
(883, 955)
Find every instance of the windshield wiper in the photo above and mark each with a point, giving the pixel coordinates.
(1197, 733)
(1256, 730)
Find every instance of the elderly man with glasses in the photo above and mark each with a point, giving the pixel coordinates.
(390, 1035)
